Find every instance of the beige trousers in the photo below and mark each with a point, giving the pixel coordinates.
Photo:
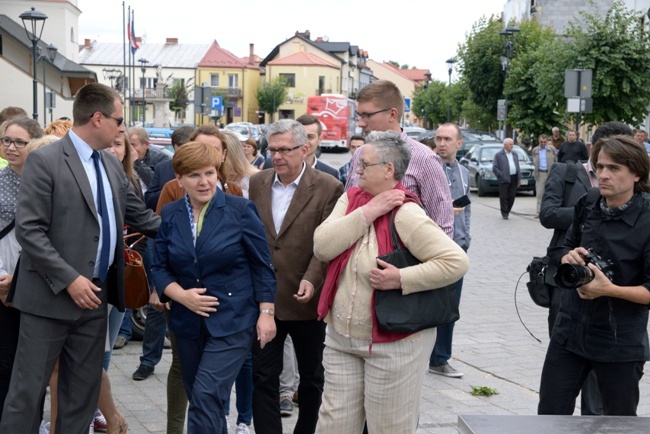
(382, 387)
(540, 182)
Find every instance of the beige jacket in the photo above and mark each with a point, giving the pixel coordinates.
(443, 261)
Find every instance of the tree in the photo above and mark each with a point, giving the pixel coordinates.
(178, 93)
(271, 95)
(429, 103)
(533, 101)
(616, 47)
(480, 67)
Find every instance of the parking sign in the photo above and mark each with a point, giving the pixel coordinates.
(217, 103)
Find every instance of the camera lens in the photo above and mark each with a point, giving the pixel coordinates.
(571, 276)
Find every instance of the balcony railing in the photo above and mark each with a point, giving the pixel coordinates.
(229, 91)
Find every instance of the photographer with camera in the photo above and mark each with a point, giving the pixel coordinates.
(601, 324)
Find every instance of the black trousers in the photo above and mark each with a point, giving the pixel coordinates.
(507, 194)
(308, 341)
(9, 326)
(564, 374)
(591, 403)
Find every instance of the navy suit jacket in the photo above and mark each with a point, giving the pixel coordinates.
(163, 172)
(231, 260)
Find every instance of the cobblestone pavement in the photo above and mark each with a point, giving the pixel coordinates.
(491, 347)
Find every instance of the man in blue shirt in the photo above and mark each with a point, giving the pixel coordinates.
(448, 140)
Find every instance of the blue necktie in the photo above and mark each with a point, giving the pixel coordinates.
(102, 210)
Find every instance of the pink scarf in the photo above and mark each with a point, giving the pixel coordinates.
(356, 199)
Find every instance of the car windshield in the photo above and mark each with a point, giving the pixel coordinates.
(488, 153)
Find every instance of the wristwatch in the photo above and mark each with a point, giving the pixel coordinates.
(269, 311)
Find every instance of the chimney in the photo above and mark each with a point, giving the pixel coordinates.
(319, 39)
(251, 53)
(171, 41)
(87, 43)
(138, 39)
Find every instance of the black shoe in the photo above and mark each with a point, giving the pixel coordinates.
(286, 407)
(142, 373)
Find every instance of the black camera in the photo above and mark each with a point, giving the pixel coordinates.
(572, 276)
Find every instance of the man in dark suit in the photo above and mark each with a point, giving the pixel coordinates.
(163, 171)
(573, 150)
(74, 201)
(292, 199)
(566, 184)
(506, 168)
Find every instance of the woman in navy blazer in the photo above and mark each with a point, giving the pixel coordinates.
(212, 259)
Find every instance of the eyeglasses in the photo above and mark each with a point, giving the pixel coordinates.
(362, 166)
(283, 151)
(19, 144)
(365, 116)
(118, 120)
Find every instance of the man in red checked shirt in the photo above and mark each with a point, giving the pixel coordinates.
(380, 107)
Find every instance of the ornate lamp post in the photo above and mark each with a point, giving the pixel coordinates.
(34, 22)
(49, 57)
(508, 33)
(143, 68)
(450, 64)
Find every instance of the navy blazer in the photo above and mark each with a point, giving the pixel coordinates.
(162, 173)
(501, 167)
(231, 260)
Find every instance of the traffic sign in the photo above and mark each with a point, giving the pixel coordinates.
(217, 103)
(407, 105)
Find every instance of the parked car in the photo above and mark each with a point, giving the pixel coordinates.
(246, 129)
(414, 132)
(470, 138)
(478, 161)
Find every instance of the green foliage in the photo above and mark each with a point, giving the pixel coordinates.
(430, 102)
(616, 47)
(483, 391)
(480, 66)
(271, 96)
(533, 99)
(179, 97)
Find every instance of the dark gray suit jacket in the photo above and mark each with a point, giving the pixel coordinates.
(57, 227)
(501, 167)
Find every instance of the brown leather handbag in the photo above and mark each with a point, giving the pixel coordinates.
(136, 285)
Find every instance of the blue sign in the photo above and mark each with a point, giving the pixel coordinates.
(407, 105)
(217, 103)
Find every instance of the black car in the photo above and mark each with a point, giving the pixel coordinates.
(470, 138)
(478, 161)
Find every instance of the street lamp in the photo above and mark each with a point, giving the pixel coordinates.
(143, 68)
(36, 22)
(427, 76)
(508, 33)
(450, 64)
(49, 57)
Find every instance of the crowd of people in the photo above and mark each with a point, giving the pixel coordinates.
(264, 270)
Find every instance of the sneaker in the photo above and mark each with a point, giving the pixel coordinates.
(44, 428)
(91, 429)
(142, 373)
(242, 428)
(286, 407)
(167, 345)
(99, 422)
(120, 343)
(445, 370)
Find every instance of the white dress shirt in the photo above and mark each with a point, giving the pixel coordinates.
(281, 198)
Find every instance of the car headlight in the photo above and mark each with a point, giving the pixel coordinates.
(487, 174)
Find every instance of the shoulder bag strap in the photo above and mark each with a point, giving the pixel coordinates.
(393, 231)
(7, 229)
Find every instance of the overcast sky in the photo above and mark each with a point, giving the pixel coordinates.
(422, 33)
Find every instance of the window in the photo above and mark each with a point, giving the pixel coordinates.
(233, 81)
(289, 79)
(214, 80)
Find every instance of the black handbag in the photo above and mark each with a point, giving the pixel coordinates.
(537, 287)
(417, 311)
